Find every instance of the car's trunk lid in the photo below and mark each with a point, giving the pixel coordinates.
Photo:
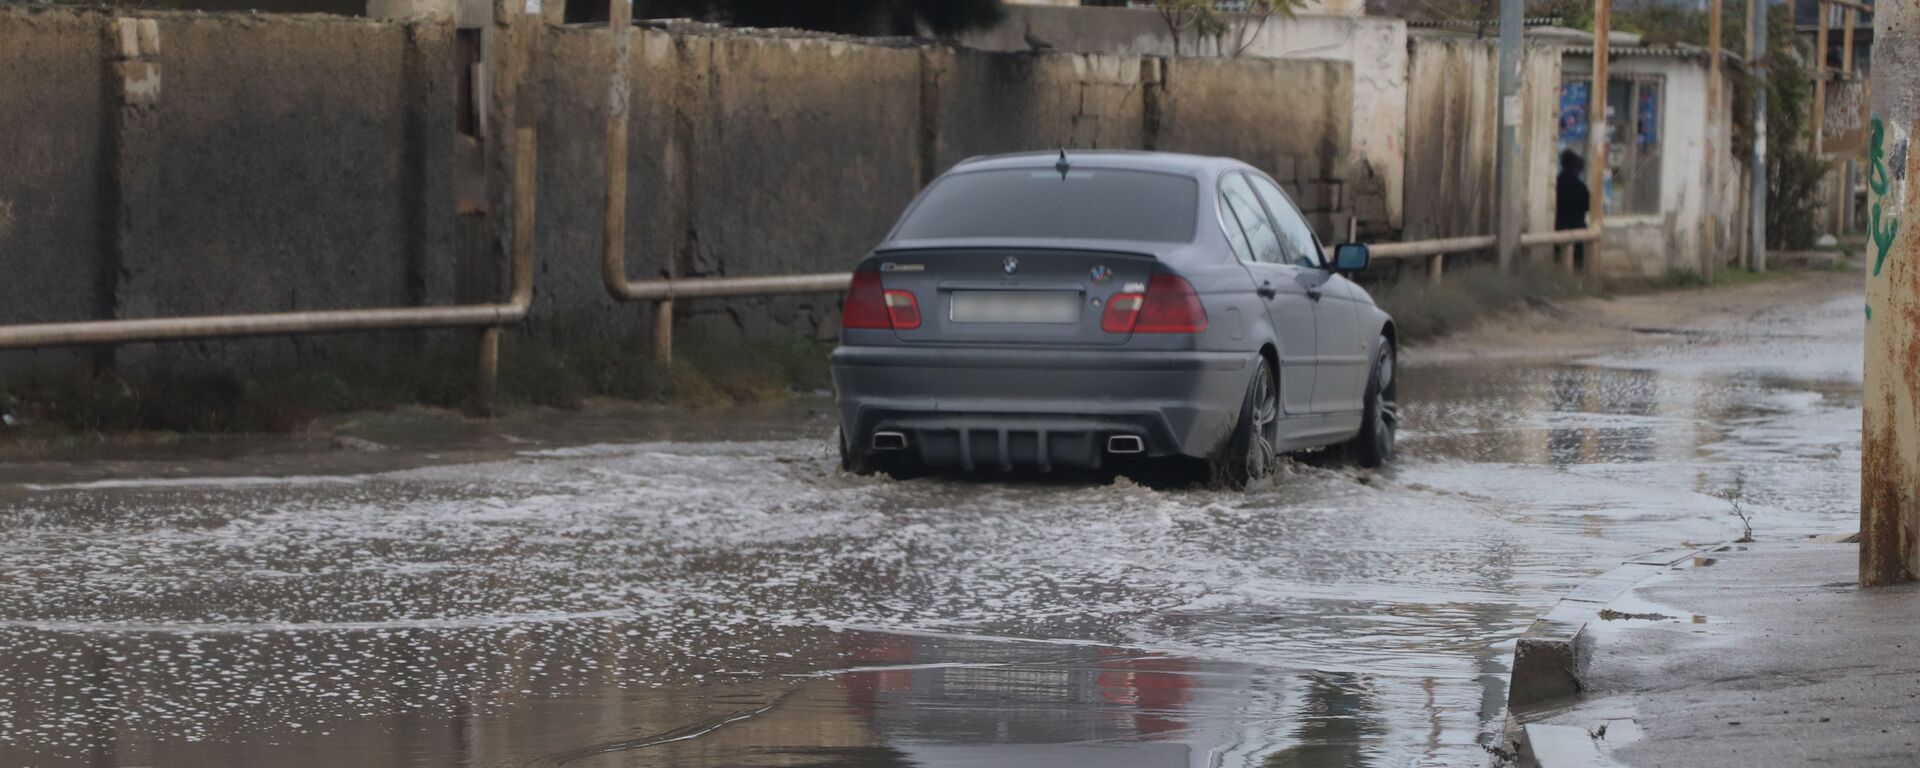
(1012, 295)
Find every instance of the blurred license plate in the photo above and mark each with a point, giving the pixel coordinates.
(1015, 307)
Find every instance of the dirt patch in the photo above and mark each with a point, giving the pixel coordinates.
(1586, 326)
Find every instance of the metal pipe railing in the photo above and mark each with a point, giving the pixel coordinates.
(613, 261)
(491, 316)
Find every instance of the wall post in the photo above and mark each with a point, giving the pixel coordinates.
(1508, 202)
(130, 178)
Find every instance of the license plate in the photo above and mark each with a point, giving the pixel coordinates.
(1014, 307)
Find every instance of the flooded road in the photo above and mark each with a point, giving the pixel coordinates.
(614, 589)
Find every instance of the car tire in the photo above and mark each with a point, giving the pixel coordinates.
(1248, 455)
(851, 461)
(1373, 447)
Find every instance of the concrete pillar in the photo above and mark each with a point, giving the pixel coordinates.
(1890, 461)
(131, 148)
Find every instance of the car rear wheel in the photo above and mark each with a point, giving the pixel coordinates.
(1249, 455)
(1373, 447)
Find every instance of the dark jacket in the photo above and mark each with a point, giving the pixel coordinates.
(1570, 210)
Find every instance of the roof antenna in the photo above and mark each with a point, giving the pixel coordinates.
(1062, 165)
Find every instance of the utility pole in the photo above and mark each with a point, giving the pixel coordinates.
(1507, 162)
(1757, 48)
(1890, 435)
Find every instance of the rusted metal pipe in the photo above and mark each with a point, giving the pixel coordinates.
(724, 287)
(1561, 237)
(663, 332)
(158, 329)
(613, 231)
(1432, 247)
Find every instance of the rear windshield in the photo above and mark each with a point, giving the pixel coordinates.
(1087, 204)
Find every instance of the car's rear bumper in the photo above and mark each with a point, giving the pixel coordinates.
(997, 407)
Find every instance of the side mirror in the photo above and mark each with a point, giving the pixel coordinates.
(1351, 257)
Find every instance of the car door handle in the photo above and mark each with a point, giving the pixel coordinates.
(1313, 292)
(1266, 291)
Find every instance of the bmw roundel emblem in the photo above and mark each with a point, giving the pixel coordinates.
(1010, 264)
(1101, 274)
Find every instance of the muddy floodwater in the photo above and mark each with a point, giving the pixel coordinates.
(627, 588)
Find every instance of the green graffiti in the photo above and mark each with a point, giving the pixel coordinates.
(1869, 311)
(1877, 159)
(1878, 182)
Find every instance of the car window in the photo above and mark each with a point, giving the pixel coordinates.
(1259, 229)
(1090, 203)
(1296, 238)
(1236, 236)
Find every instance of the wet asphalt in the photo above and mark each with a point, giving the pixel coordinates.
(617, 588)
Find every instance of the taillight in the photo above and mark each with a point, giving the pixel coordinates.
(869, 305)
(1122, 311)
(866, 304)
(1170, 305)
(903, 310)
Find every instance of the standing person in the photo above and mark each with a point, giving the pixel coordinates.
(1571, 200)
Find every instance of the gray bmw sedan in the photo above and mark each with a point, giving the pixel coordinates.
(1084, 309)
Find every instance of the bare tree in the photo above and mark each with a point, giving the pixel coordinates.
(1181, 16)
(1233, 25)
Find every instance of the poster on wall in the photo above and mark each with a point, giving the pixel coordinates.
(1573, 113)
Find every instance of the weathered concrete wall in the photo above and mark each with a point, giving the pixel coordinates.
(990, 103)
(246, 165)
(1452, 116)
(280, 170)
(1374, 48)
(804, 155)
(751, 155)
(51, 206)
(1298, 134)
(294, 163)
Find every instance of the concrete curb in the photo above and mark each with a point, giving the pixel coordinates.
(1551, 657)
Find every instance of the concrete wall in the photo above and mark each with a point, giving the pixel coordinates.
(51, 201)
(219, 165)
(1452, 120)
(1375, 49)
(274, 163)
(751, 155)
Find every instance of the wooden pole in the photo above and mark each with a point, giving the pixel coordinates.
(1757, 192)
(1713, 131)
(1597, 132)
(1843, 211)
(1820, 79)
